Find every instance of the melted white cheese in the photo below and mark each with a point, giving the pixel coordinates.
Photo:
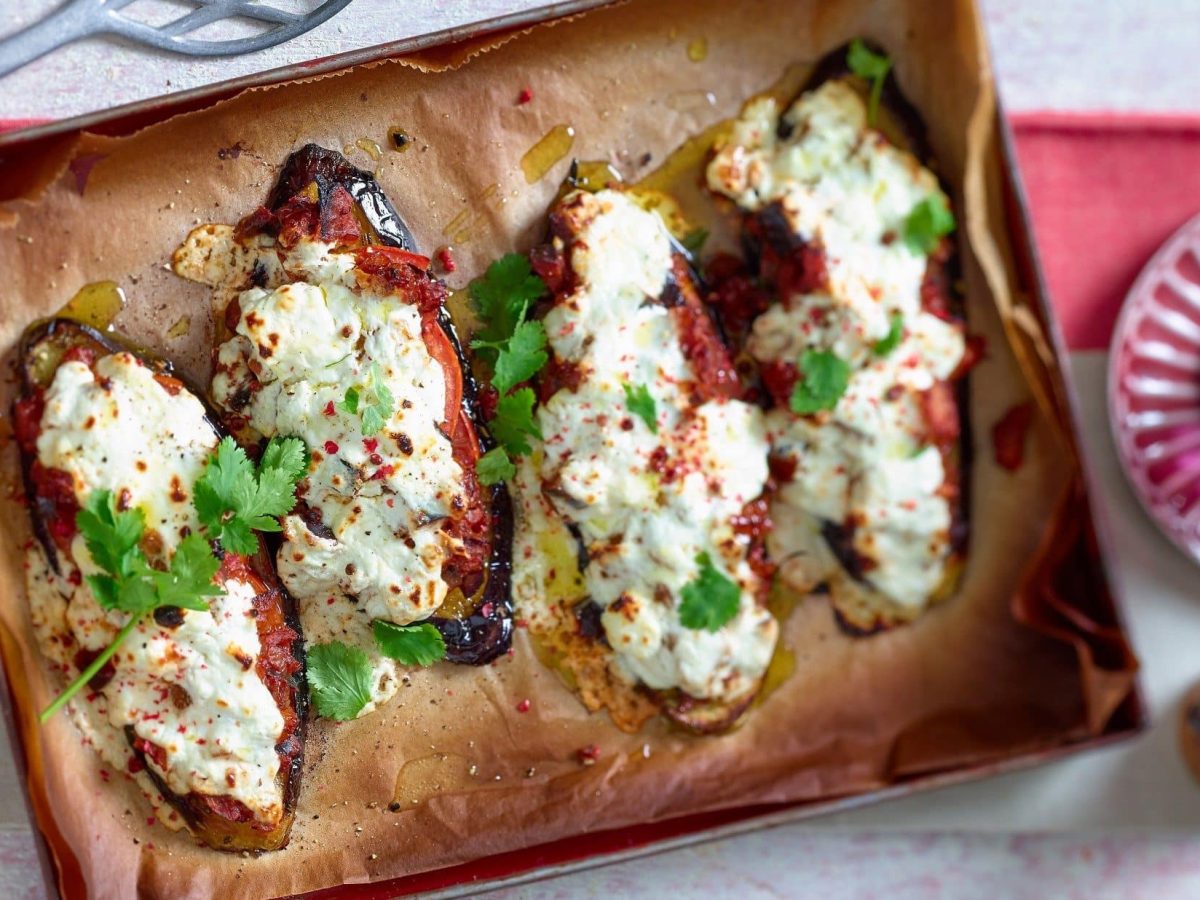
(192, 690)
(643, 531)
(298, 346)
(843, 187)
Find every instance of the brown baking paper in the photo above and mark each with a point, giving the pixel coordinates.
(1025, 658)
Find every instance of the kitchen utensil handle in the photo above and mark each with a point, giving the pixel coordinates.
(76, 19)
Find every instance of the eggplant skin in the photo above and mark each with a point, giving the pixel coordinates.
(486, 633)
(41, 349)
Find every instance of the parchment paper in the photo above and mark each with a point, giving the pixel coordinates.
(970, 683)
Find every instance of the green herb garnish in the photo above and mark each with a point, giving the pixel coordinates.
(642, 405)
(413, 645)
(874, 67)
(234, 498)
(927, 223)
(494, 467)
(891, 340)
(824, 378)
(514, 423)
(710, 599)
(340, 678)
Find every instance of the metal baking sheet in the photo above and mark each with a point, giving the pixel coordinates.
(572, 854)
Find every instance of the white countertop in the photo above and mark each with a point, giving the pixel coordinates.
(984, 839)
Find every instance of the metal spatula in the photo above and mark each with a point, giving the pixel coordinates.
(82, 18)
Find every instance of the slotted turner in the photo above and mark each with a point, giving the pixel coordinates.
(83, 18)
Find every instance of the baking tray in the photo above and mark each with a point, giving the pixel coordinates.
(599, 848)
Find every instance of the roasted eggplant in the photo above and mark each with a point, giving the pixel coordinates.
(332, 328)
(206, 709)
(850, 317)
(640, 561)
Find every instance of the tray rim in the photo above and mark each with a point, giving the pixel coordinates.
(1025, 255)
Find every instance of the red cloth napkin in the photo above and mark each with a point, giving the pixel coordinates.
(1104, 192)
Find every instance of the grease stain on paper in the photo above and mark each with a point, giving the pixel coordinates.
(96, 304)
(553, 146)
(463, 226)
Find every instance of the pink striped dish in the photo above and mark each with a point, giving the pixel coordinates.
(1154, 387)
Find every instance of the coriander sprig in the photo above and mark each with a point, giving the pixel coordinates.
(233, 498)
(516, 348)
(874, 67)
(128, 583)
(340, 674)
(374, 404)
(640, 402)
(824, 378)
(927, 223)
(710, 599)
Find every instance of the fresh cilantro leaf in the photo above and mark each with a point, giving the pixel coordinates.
(928, 221)
(825, 377)
(372, 421)
(234, 500)
(105, 589)
(340, 678)
(494, 467)
(642, 405)
(695, 240)
(375, 402)
(520, 357)
(502, 296)
(710, 599)
(891, 340)
(412, 645)
(189, 577)
(514, 421)
(287, 455)
(874, 67)
(111, 537)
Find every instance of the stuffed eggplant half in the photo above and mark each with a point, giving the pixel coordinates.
(639, 560)
(202, 703)
(331, 328)
(858, 344)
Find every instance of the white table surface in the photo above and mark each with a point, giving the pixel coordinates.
(1119, 822)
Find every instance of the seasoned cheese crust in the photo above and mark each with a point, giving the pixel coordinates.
(188, 689)
(644, 505)
(314, 329)
(868, 467)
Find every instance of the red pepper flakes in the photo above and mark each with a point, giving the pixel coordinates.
(524, 97)
(523, 706)
(1008, 436)
(134, 765)
(588, 755)
(149, 820)
(522, 623)
(331, 447)
(329, 408)
(445, 259)
(369, 444)
(104, 775)
(383, 472)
